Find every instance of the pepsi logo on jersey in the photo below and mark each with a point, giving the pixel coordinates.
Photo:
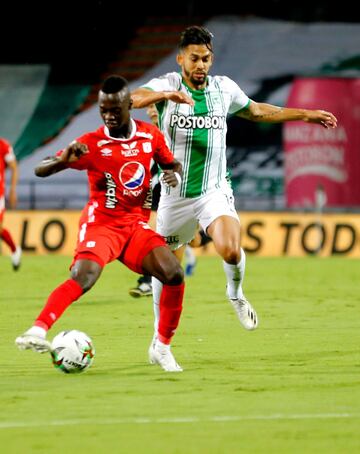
(131, 176)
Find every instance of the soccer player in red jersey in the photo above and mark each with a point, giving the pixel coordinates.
(113, 224)
(8, 161)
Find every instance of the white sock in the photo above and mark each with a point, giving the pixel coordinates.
(162, 347)
(36, 331)
(235, 276)
(190, 257)
(157, 289)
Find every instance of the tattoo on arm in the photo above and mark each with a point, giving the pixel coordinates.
(265, 116)
(251, 114)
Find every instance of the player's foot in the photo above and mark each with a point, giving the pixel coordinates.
(152, 346)
(190, 268)
(190, 261)
(142, 289)
(16, 258)
(246, 313)
(33, 339)
(160, 354)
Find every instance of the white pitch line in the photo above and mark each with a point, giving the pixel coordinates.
(180, 420)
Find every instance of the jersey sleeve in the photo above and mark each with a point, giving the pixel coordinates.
(162, 153)
(239, 100)
(85, 161)
(167, 82)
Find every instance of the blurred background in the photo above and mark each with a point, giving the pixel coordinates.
(55, 55)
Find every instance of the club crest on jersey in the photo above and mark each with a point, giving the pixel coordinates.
(147, 148)
(132, 175)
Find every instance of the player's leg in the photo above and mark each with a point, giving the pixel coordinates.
(177, 224)
(144, 287)
(200, 239)
(166, 268)
(146, 252)
(16, 251)
(96, 246)
(190, 260)
(157, 287)
(84, 274)
(220, 221)
(225, 233)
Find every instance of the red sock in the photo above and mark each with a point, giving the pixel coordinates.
(170, 310)
(68, 292)
(5, 235)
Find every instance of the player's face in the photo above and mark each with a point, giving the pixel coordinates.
(195, 61)
(115, 112)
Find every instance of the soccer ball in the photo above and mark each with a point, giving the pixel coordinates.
(72, 351)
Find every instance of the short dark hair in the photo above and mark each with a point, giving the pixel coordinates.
(114, 84)
(196, 35)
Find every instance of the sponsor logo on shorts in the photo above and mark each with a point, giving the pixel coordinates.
(110, 194)
(172, 239)
(91, 244)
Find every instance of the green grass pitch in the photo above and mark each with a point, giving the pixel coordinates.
(291, 386)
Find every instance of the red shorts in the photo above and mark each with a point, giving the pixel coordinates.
(104, 243)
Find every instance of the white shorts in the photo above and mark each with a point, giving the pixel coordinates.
(178, 217)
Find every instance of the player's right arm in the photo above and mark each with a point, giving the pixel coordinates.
(54, 164)
(143, 97)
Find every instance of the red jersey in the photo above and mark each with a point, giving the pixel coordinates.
(6, 155)
(119, 171)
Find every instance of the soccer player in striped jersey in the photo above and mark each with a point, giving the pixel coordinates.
(193, 107)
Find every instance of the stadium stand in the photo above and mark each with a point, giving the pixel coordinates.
(255, 151)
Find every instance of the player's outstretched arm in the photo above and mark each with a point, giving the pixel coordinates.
(55, 164)
(267, 113)
(143, 97)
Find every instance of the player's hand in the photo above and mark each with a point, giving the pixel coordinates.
(153, 114)
(326, 119)
(74, 151)
(170, 178)
(179, 97)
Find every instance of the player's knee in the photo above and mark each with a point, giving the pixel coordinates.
(174, 275)
(231, 255)
(85, 279)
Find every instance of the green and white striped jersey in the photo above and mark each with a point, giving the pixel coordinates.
(197, 135)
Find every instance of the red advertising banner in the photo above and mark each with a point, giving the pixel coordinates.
(319, 159)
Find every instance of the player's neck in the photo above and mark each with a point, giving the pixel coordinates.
(124, 132)
(191, 85)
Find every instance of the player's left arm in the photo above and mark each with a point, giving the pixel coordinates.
(268, 113)
(12, 165)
